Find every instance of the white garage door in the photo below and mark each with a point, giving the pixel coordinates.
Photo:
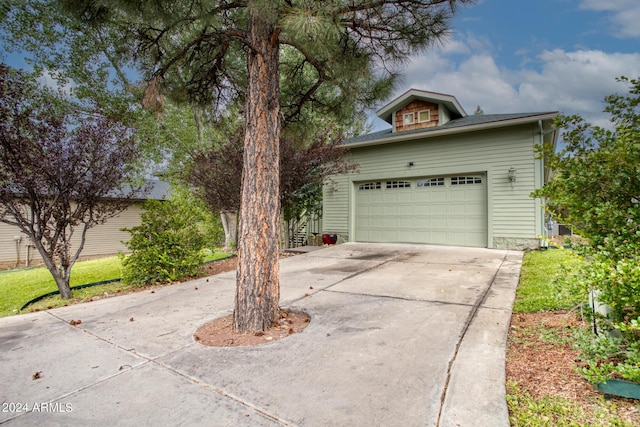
(448, 210)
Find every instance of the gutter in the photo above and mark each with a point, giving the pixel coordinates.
(402, 137)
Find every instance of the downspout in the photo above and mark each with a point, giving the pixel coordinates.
(544, 241)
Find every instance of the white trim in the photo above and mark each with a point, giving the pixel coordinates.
(433, 132)
(386, 113)
(428, 119)
(410, 116)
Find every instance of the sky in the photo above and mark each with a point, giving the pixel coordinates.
(516, 56)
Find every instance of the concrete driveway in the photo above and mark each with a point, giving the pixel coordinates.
(405, 335)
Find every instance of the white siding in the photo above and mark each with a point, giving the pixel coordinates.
(511, 212)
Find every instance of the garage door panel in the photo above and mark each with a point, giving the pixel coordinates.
(406, 222)
(406, 236)
(439, 209)
(440, 238)
(441, 214)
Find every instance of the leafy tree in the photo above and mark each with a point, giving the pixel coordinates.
(341, 57)
(61, 172)
(596, 184)
(92, 63)
(597, 189)
(215, 175)
(167, 245)
(79, 57)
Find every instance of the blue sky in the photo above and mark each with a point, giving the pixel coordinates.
(513, 56)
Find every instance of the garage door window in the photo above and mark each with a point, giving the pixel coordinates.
(431, 182)
(398, 184)
(463, 180)
(370, 186)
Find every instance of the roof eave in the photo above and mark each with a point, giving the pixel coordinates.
(401, 137)
(385, 113)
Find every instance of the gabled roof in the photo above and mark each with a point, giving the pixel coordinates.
(448, 101)
(463, 124)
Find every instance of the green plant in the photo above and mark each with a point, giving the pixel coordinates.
(538, 289)
(166, 246)
(552, 411)
(607, 356)
(595, 186)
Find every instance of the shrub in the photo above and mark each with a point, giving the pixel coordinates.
(615, 351)
(166, 246)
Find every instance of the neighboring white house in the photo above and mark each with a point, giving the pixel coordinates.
(440, 176)
(102, 240)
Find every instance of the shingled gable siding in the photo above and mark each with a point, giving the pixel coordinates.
(415, 107)
(102, 240)
(512, 214)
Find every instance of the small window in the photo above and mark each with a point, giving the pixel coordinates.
(424, 116)
(407, 119)
(398, 184)
(431, 182)
(463, 180)
(370, 186)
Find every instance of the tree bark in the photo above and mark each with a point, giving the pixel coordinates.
(230, 226)
(257, 287)
(62, 279)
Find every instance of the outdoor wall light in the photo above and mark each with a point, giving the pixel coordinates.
(512, 174)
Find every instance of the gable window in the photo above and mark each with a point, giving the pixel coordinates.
(398, 184)
(424, 116)
(370, 186)
(463, 180)
(431, 182)
(407, 119)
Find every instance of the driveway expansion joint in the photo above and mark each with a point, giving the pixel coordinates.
(225, 394)
(472, 315)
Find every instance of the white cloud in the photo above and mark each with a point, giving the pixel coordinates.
(47, 79)
(572, 82)
(624, 15)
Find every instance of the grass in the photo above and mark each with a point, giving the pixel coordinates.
(537, 290)
(553, 411)
(17, 287)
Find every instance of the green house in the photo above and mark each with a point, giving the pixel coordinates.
(440, 176)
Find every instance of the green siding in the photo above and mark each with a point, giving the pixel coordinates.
(512, 214)
(336, 202)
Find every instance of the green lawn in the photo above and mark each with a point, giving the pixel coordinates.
(17, 287)
(537, 290)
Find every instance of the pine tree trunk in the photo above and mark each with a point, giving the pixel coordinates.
(258, 288)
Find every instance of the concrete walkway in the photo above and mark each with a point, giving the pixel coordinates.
(404, 335)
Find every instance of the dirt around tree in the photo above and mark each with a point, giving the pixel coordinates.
(219, 333)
